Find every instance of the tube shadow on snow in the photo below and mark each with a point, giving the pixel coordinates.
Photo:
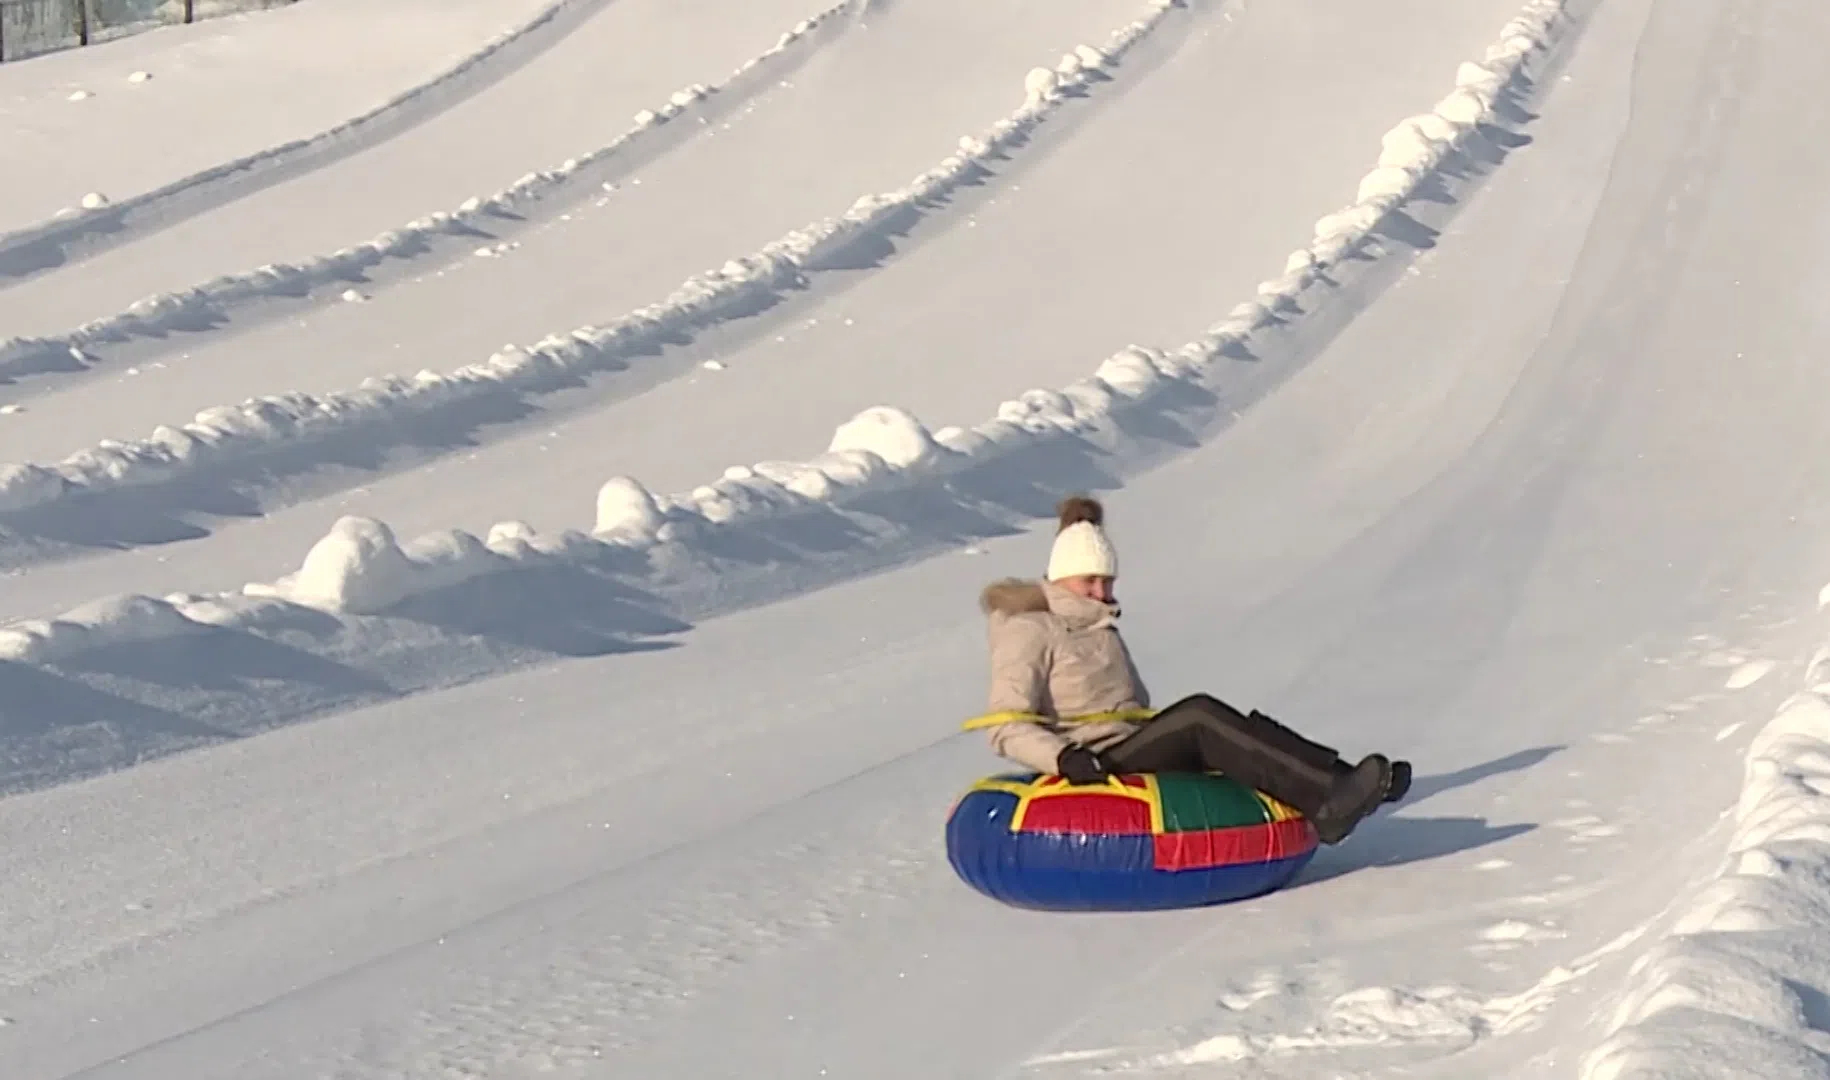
(1426, 786)
(1390, 839)
(1399, 841)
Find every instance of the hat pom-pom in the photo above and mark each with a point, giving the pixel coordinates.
(1078, 508)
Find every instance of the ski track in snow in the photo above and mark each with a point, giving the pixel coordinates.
(236, 434)
(434, 237)
(1413, 151)
(67, 239)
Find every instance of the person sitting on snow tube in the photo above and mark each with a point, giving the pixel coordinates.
(1067, 699)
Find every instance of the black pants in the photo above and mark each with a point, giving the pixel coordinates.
(1201, 733)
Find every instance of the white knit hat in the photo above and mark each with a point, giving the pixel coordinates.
(1081, 546)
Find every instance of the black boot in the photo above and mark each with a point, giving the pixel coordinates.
(1354, 795)
(1401, 778)
(1401, 781)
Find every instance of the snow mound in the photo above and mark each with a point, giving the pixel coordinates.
(115, 620)
(162, 312)
(891, 434)
(360, 567)
(513, 373)
(1737, 988)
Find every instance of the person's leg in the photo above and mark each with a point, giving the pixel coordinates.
(1203, 733)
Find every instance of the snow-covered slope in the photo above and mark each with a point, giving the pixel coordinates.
(1488, 437)
(139, 126)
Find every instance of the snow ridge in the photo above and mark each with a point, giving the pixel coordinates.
(360, 567)
(156, 315)
(1738, 987)
(110, 220)
(554, 362)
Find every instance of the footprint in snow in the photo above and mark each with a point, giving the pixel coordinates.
(1587, 827)
(1264, 986)
(1748, 674)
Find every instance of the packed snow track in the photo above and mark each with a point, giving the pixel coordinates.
(1450, 371)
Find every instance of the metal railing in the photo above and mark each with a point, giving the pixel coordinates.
(35, 27)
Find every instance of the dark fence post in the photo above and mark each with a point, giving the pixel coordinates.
(190, 10)
(82, 22)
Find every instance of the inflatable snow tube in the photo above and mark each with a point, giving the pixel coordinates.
(1141, 842)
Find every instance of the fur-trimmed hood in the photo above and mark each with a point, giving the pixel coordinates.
(1025, 596)
(1013, 596)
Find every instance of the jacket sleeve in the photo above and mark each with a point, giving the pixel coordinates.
(1028, 744)
(1019, 684)
(1019, 666)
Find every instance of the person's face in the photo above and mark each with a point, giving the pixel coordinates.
(1092, 586)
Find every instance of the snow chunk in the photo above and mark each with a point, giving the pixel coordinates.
(627, 510)
(357, 567)
(1041, 84)
(891, 434)
(1091, 57)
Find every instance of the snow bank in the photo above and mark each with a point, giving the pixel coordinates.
(555, 362)
(360, 568)
(1740, 986)
(162, 313)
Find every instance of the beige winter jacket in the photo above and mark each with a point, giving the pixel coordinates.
(1060, 674)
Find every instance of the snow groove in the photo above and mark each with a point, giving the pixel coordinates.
(555, 362)
(361, 568)
(1737, 988)
(160, 314)
(884, 447)
(26, 251)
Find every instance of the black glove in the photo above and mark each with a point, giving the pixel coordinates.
(1081, 766)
